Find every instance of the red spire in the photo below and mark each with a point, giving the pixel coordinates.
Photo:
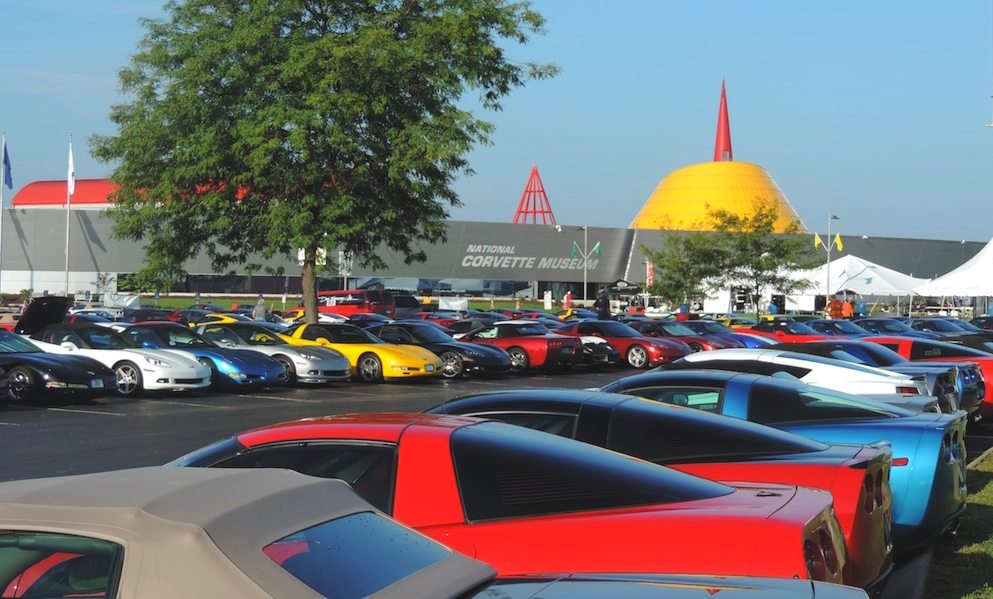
(534, 202)
(722, 147)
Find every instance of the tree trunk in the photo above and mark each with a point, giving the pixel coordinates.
(308, 276)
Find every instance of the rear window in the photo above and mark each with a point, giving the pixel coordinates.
(923, 350)
(369, 468)
(40, 564)
(639, 428)
(509, 471)
(772, 403)
(354, 556)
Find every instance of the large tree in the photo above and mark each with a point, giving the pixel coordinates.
(273, 126)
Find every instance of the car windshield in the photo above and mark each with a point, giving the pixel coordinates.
(890, 326)
(97, 337)
(179, 336)
(11, 343)
(677, 330)
(253, 334)
(967, 326)
(846, 326)
(429, 335)
(348, 333)
(710, 327)
(936, 324)
(617, 329)
(522, 330)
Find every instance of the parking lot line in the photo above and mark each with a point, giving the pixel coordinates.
(86, 412)
(9, 424)
(278, 398)
(184, 403)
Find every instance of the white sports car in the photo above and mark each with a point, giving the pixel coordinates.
(137, 369)
(881, 385)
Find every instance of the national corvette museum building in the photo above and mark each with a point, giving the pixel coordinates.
(478, 258)
(532, 253)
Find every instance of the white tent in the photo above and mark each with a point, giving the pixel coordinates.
(974, 278)
(859, 276)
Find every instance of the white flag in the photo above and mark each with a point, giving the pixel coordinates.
(71, 176)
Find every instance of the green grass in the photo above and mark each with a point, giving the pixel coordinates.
(962, 566)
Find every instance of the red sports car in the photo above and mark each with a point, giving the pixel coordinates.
(784, 329)
(669, 329)
(640, 350)
(444, 318)
(528, 502)
(718, 448)
(933, 350)
(530, 344)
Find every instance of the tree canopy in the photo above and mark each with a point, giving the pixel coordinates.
(263, 127)
(741, 251)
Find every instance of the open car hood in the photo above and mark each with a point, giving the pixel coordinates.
(42, 312)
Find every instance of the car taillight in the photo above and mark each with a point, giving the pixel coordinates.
(816, 567)
(554, 344)
(900, 461)
(908, 390)
(829, 551)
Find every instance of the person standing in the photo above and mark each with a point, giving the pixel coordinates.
(260, 309)
(602, 305)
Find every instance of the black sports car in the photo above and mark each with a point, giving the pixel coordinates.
(458, 357)
(32, 374)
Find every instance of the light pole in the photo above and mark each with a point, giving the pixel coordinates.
(586, 256)
(830, 244)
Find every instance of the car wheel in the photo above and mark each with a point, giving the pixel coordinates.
(637, 356)
(291, 370)
(451, 365)
(21, 385)
(214, 376)
(370, 368)
(128, 379)
(519, 361)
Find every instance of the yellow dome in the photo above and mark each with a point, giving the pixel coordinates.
(685, 197)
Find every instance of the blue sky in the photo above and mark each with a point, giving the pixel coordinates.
(874, 111)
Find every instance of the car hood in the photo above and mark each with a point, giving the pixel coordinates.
(41, 312)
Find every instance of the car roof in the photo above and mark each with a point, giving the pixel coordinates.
(183, 516)
(385, 426)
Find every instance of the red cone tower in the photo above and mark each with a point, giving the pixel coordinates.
(722, 147)
(534, 202)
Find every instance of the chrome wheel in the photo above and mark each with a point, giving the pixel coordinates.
(370, 368)
(128, 379)
(519, 361)
(637, 356)
(451, 365)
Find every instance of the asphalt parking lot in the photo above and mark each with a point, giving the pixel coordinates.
(113, 433)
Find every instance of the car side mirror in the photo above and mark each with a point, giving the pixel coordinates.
(68, 346)
(780, 333)
(225, 342)
(150, 344)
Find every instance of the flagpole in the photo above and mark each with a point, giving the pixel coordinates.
(830, 244)
(3, 181)
(70, 187)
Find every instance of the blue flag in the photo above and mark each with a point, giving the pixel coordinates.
(7, 179)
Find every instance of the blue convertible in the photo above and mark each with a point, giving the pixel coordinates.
(228, 367)
(929, 458)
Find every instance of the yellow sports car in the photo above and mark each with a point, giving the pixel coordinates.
(371, 358)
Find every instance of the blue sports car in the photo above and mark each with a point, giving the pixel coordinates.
(228, 367)
(929, 457)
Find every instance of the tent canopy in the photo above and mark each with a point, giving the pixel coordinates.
(859, 276)
(974, 278)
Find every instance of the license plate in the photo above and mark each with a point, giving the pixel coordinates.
(96, 384)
